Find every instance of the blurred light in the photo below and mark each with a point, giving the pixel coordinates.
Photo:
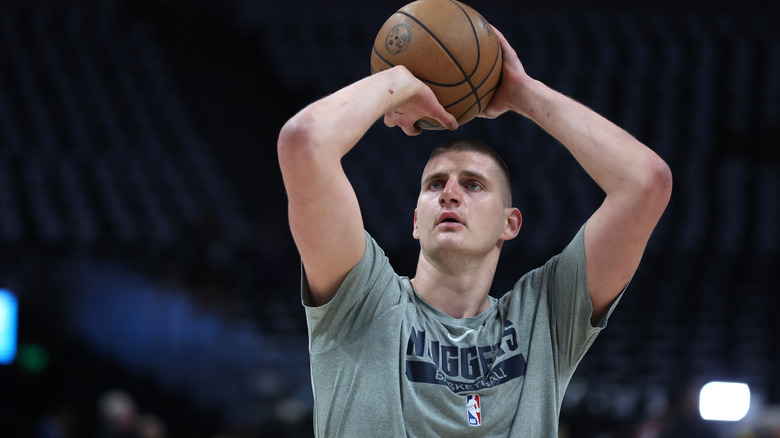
(724, 401)
(33, 358)
(8, 322)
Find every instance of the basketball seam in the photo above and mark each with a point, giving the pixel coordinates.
(474, 90)
(492, 67)
(466, 77)
(479, 98)
(476, 37)
(427, 81)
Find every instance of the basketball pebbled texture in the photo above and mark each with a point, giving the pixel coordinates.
(447, 45)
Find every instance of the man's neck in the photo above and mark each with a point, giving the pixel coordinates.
(460, 292)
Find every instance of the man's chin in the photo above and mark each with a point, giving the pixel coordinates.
(448, 240)
(449, 227)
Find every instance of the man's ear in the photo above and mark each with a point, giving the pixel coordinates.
(513, 223)
(415, 231)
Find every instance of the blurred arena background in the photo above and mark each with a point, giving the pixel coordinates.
(143, 220)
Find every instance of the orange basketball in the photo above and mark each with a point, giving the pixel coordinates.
(447, 45)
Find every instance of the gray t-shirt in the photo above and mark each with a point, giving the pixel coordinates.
(385, 363)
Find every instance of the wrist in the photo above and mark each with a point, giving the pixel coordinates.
(531, 97)
(399, 86)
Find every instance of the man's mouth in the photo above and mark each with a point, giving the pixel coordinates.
(449, 218)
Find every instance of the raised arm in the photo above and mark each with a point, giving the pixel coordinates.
(636, 180)
(324, 214)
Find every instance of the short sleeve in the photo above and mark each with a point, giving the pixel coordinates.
(570, 304)
(370, 287)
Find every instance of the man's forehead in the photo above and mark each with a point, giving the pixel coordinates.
(460, 162)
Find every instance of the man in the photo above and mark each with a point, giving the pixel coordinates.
(435, 355)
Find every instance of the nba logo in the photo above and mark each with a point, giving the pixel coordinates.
(473, 410)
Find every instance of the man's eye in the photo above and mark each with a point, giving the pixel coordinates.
(474, 186)
(436, 185)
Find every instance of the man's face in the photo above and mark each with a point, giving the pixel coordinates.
(461, 204)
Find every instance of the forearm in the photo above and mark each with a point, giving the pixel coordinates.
(610, 155)
(331, 126)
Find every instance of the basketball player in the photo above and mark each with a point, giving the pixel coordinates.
(435, 355)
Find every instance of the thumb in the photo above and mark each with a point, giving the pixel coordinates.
(447, 120)
(390, 120)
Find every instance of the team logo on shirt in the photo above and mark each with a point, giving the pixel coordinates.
(473, 410)
(464, 368)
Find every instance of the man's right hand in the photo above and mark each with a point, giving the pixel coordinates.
(422, 103)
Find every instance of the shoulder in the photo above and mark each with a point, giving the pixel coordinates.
(373, 263)
(370, 288)
(565, 270)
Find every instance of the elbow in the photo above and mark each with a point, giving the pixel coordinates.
(656, 183)
(295, 137)
(295, 134)
(661, 175)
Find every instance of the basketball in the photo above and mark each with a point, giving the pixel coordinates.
(448, 46)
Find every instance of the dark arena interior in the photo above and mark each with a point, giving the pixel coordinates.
(143, 225)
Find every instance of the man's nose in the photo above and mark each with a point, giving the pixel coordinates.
(452, 193)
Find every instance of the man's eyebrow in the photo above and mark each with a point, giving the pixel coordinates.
(474, 174)
(443, 175)
(434, 176)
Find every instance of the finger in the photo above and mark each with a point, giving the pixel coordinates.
(506, 48)
(390, 121)
(500, 36)
(445, 119)
(412, 130)
(498, 32)
(486, 115)
(449, 121)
